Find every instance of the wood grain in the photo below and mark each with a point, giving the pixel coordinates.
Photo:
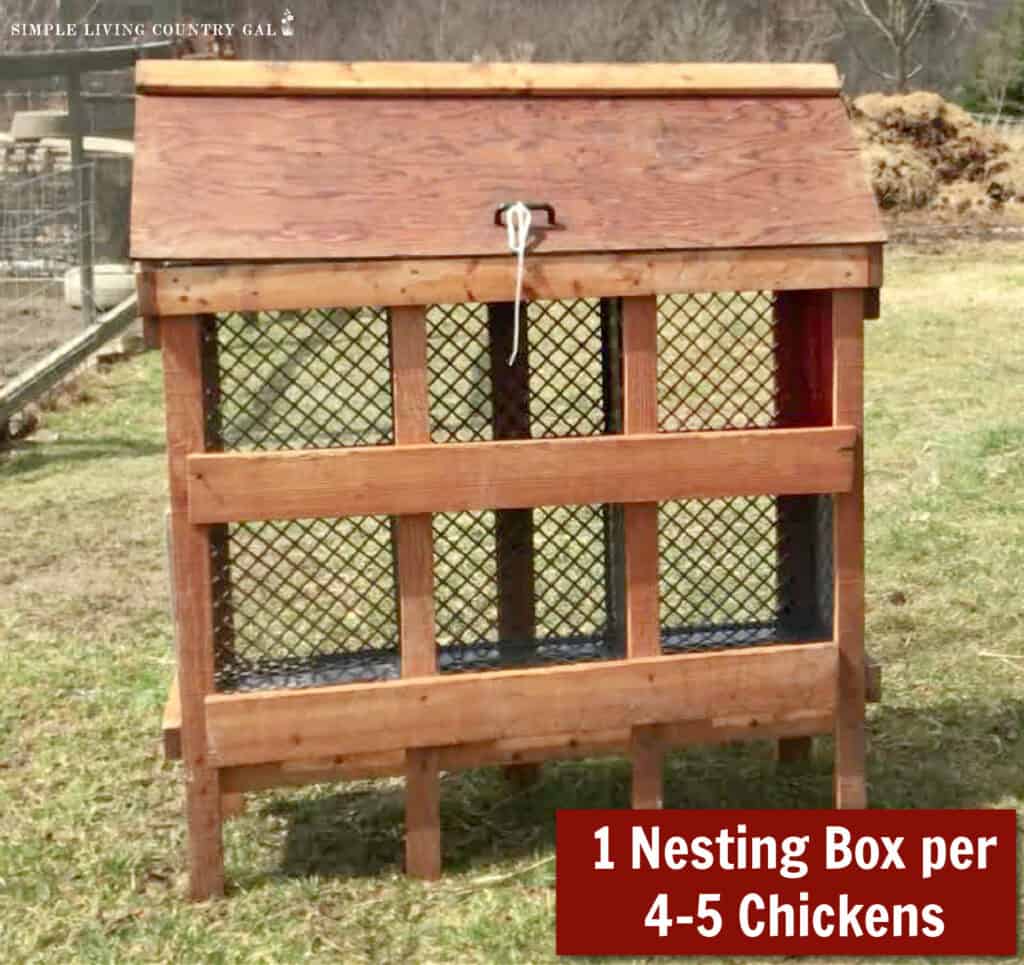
(850, 788)
(410, 77)
(193, 604)
(623, 175)
(414, 562)
(262, 726)
(640, 526)
(184, 289)
(514, 474)
(791, 723)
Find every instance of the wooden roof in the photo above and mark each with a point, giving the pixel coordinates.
(283, 161)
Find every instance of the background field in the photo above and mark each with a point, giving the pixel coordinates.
(91, 841)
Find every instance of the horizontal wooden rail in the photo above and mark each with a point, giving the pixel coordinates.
(800, 722)
(741, 685)
(484, 79)
(188, 289)
(398, 480)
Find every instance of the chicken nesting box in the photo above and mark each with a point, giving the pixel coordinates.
(411, 532)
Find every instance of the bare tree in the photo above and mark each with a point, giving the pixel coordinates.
(696, 30)
(792, 30)
(898, 25)
(998, 82)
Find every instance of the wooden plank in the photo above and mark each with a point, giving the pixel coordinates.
(279, 725)
(379, 77)
(800, 723)
(848, 539)
(797, 722)
(414, 550)
(643, 634)
(184, 289)
(514, 474)
(170, 727)
(803, 397)
(695, 173)
(184, 401)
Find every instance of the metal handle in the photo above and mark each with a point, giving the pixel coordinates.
(548, 209)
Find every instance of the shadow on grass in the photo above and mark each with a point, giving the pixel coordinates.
(25, 456)
(937, 756)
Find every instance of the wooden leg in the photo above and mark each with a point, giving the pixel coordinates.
(648, 758)
(848, 536)
(422, 815)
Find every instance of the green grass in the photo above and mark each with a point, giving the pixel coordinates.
(92, 847)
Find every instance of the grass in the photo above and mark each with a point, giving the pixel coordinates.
(92, 849)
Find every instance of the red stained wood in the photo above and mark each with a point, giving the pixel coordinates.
(320, 177)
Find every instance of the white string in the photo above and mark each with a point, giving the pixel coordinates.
(518, 219)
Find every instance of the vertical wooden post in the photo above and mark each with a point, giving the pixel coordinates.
(513, 528)
(414, 551)
(185, 406)
(848, 537)
(803, 366)
(643, 639)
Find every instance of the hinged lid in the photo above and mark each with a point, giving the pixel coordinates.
(245, 160)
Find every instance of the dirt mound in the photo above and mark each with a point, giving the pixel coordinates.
(922, 151)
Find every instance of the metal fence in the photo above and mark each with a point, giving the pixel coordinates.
(43, 224)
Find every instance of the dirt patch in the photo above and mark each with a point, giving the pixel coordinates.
(32, 327)
(924, 153)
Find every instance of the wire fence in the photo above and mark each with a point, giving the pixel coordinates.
(43, 224)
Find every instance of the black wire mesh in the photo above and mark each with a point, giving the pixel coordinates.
(716, 361)
(307, 602)
(301, 380)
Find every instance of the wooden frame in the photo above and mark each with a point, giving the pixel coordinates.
(822, 263)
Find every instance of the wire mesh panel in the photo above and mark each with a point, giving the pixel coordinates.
(306, 602)
(716, 361)
(315, 601)
(560, 616)
(561, 342)
(296, 380)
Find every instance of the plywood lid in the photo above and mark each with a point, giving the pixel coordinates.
(415, 159)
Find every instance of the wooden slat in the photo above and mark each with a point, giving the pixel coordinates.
(848, 539)
(263, 726)
(628, 174)
(193, 604)
(510, 475)
(414, 550)
(183, 289)
(375, 77)
(640, 416)
(170, 727)
(799, 723)
(794, 723)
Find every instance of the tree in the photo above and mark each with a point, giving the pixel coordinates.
(898, 25)
(997, 82)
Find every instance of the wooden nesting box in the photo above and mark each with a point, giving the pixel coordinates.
(395, 551)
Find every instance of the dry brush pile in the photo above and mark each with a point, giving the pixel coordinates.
(923, 152)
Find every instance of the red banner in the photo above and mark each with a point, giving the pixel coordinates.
(787, 882)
